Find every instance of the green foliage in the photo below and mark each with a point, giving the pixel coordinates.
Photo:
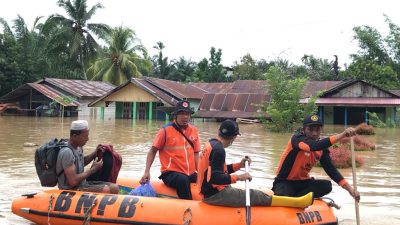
(75, 33)
(211, 70)
(380, 75)
(122, 60)
(161, 66)
(249, 69)
(284, 109)
(182, 70)
(319, 69)
(374, 120)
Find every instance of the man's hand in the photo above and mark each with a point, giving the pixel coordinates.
(245, 176)
(145, 178)
(97, 164)
(242, 163)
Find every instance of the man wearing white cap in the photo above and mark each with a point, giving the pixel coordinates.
(71, 162)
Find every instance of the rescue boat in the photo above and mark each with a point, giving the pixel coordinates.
(66, 207)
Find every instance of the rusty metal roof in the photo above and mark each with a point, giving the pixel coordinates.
(62, 98)
(232, 105)
(312, 87)
(239, 86)
(178, 89)
(213, 87)
(163, 95)
(356, 101)
(55, 95)
(79, 88)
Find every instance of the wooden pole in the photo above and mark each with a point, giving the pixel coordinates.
(353, 163)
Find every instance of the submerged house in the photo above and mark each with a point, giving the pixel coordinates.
(349, 101)
(55, 97)
(148, 98)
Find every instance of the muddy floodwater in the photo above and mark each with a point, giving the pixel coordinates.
(378, 179)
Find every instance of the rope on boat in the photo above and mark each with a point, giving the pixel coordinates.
(187, 216)
(88, 213)
(331, 203)
(50, 208)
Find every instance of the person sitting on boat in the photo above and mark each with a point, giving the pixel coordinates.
(71, 162)
(302, 153)
(215, 177)
(179, 145)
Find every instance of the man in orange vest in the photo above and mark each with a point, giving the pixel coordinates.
(215, 177)
(178, 145)
(302, 153)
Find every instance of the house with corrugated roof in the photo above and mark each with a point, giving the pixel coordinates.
(149, 98)
(349, 101)
(54, 97)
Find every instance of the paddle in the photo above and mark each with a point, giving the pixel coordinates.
(248, 212)
(353, 163)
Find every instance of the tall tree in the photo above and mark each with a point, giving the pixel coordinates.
(318, 69)
(247, 69)
(76, 31)
(182, 70)
(22, 58)
(162, 67)
(123, 59)
(211, 70)
(284, 109)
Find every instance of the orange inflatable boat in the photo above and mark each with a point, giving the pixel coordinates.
(62, 207)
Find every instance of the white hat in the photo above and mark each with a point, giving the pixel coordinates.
(79, 125)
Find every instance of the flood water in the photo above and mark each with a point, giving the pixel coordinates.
(378, 180)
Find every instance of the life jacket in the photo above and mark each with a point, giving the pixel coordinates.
(112, 162)
(177, 154)
(204, 165)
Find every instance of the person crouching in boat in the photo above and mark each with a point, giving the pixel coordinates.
(215, 177)
(179, 145)
(71, 162)
(302, 153)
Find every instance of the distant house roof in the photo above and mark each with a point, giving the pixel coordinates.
(232, 105)
(79, 88)
(63, 91)
(162, 90)
(313, 87)
(46, 90)
(178, 89)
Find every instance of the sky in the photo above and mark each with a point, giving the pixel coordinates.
(265, 29)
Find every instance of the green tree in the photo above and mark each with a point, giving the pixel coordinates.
(22, 58)
(182, 70)
(162, 68)
(211, 70)
(123, 59)
(75, 31)
(284, 109)
(319, 69)
(380, 75)
(248, 69)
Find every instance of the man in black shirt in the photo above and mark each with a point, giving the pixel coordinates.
(215, 177)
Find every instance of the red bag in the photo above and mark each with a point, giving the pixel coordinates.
(112, 162)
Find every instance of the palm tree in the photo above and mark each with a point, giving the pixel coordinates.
(76, 30)
(124, 58)
(161, 66)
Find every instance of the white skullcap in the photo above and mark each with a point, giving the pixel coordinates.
(79, 125)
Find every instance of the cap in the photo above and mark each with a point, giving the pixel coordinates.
(79, 125)
(183, 106)
(229, 128)
(312, 120)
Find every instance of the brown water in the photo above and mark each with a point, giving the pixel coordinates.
(378, 179)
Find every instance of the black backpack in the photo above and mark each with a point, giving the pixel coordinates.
(46, 159)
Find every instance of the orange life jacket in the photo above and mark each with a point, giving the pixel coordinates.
(204, 165)
(177, 154)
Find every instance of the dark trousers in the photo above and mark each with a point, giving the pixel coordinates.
(296, 188)
(179, 181)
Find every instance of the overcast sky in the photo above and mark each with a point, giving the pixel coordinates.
(265, 29)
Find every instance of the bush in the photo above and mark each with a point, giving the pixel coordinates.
(341, 157)
(360, 143)
(365, 129)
